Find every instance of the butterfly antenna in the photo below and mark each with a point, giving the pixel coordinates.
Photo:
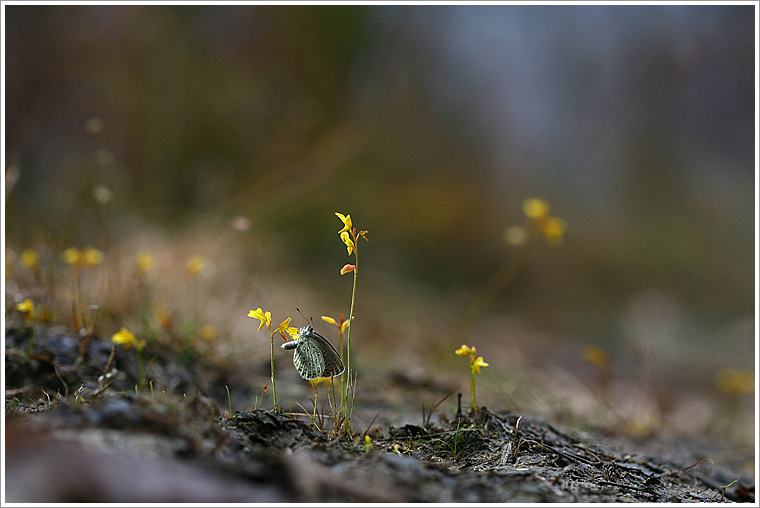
(299, 311)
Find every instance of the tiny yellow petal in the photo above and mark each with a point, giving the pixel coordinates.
(346, 220)
(283, 325)
(349, 243)
(293, 332)
(477, 364)
(344, 326)
(330, 320)
(464, 351)
(535, 208)
(259, 314)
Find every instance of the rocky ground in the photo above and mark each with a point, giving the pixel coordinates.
(74, 435)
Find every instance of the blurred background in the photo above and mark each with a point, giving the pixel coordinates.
(235, 132)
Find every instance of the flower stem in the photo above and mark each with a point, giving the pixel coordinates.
(271, 359)
(472, 389)
(347, 385)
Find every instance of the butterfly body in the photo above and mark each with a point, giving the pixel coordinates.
(314, 356)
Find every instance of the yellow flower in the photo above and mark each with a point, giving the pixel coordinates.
(264, 317)
(595, 356)
(71, 256)
(127, 339)
(144, 262)
(195, 265)
(208, 332)
(26, 308)
(735, 381)
(535, 208)
(343, 324)
(554, 230)
(324, 380)
(477, 364)
(283, 327)
(349, 243)
(465, 351)
(29, 258)
(91, 256)
(346, 219)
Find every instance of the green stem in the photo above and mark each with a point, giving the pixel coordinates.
(271, 359)
(347, 385)
(342, 376)
(472, 389)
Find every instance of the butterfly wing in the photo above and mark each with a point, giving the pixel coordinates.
(333, 366)
(308, 358)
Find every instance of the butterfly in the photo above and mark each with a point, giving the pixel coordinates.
(314, 356)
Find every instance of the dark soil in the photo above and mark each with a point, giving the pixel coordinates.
(71, 437)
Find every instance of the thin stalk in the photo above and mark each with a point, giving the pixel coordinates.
(271, 360)
(348, 344)
(316, 398)
(472, 389)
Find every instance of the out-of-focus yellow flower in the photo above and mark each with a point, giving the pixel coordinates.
(208, 332)
(595, 356)
(143, 262)
(477, 364)
(554, 230)
(264, 317)
(71, 256)
(195, 265)
(26, 308)
(465, 351)
(330, 320)
(535, 208)
(29, 258)
(730, 380)
(346, 220)
(348, 268)
(126, 338)
(91, 256)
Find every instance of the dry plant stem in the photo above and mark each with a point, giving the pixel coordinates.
(346, 387)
